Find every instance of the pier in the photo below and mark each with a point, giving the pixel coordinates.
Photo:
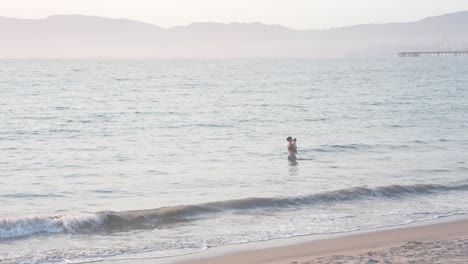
(432, 53)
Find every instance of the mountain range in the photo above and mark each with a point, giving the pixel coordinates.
(77, 36)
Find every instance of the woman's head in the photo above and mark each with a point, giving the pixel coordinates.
(289, 139)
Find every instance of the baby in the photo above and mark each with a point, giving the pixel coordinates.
(294, 145)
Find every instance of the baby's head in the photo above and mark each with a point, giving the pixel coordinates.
(295, 139)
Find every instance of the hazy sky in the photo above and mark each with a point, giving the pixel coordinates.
(298, 14)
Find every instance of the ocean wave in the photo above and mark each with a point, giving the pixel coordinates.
(20, 227)
(111, 221)
(355, 147)
(343, 147)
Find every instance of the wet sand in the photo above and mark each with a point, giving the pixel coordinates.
(435, 243)
(438, 242)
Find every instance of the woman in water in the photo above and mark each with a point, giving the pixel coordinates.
(292, 150)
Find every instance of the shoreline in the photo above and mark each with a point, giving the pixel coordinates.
(419, 239)
(354, 246)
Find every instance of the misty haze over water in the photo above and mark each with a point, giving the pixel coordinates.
(75, 36)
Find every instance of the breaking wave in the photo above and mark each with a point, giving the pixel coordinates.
(110, 221)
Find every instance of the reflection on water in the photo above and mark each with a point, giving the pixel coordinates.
(293, 168)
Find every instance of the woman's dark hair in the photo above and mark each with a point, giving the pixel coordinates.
(288, 138)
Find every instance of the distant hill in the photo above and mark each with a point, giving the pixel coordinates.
(77, 36)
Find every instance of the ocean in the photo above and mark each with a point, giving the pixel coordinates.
(127, 159)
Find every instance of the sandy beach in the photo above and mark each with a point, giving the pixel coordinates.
(434, 243)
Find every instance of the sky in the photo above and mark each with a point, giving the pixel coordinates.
(297, 14)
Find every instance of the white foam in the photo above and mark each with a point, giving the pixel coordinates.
(18, 227)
